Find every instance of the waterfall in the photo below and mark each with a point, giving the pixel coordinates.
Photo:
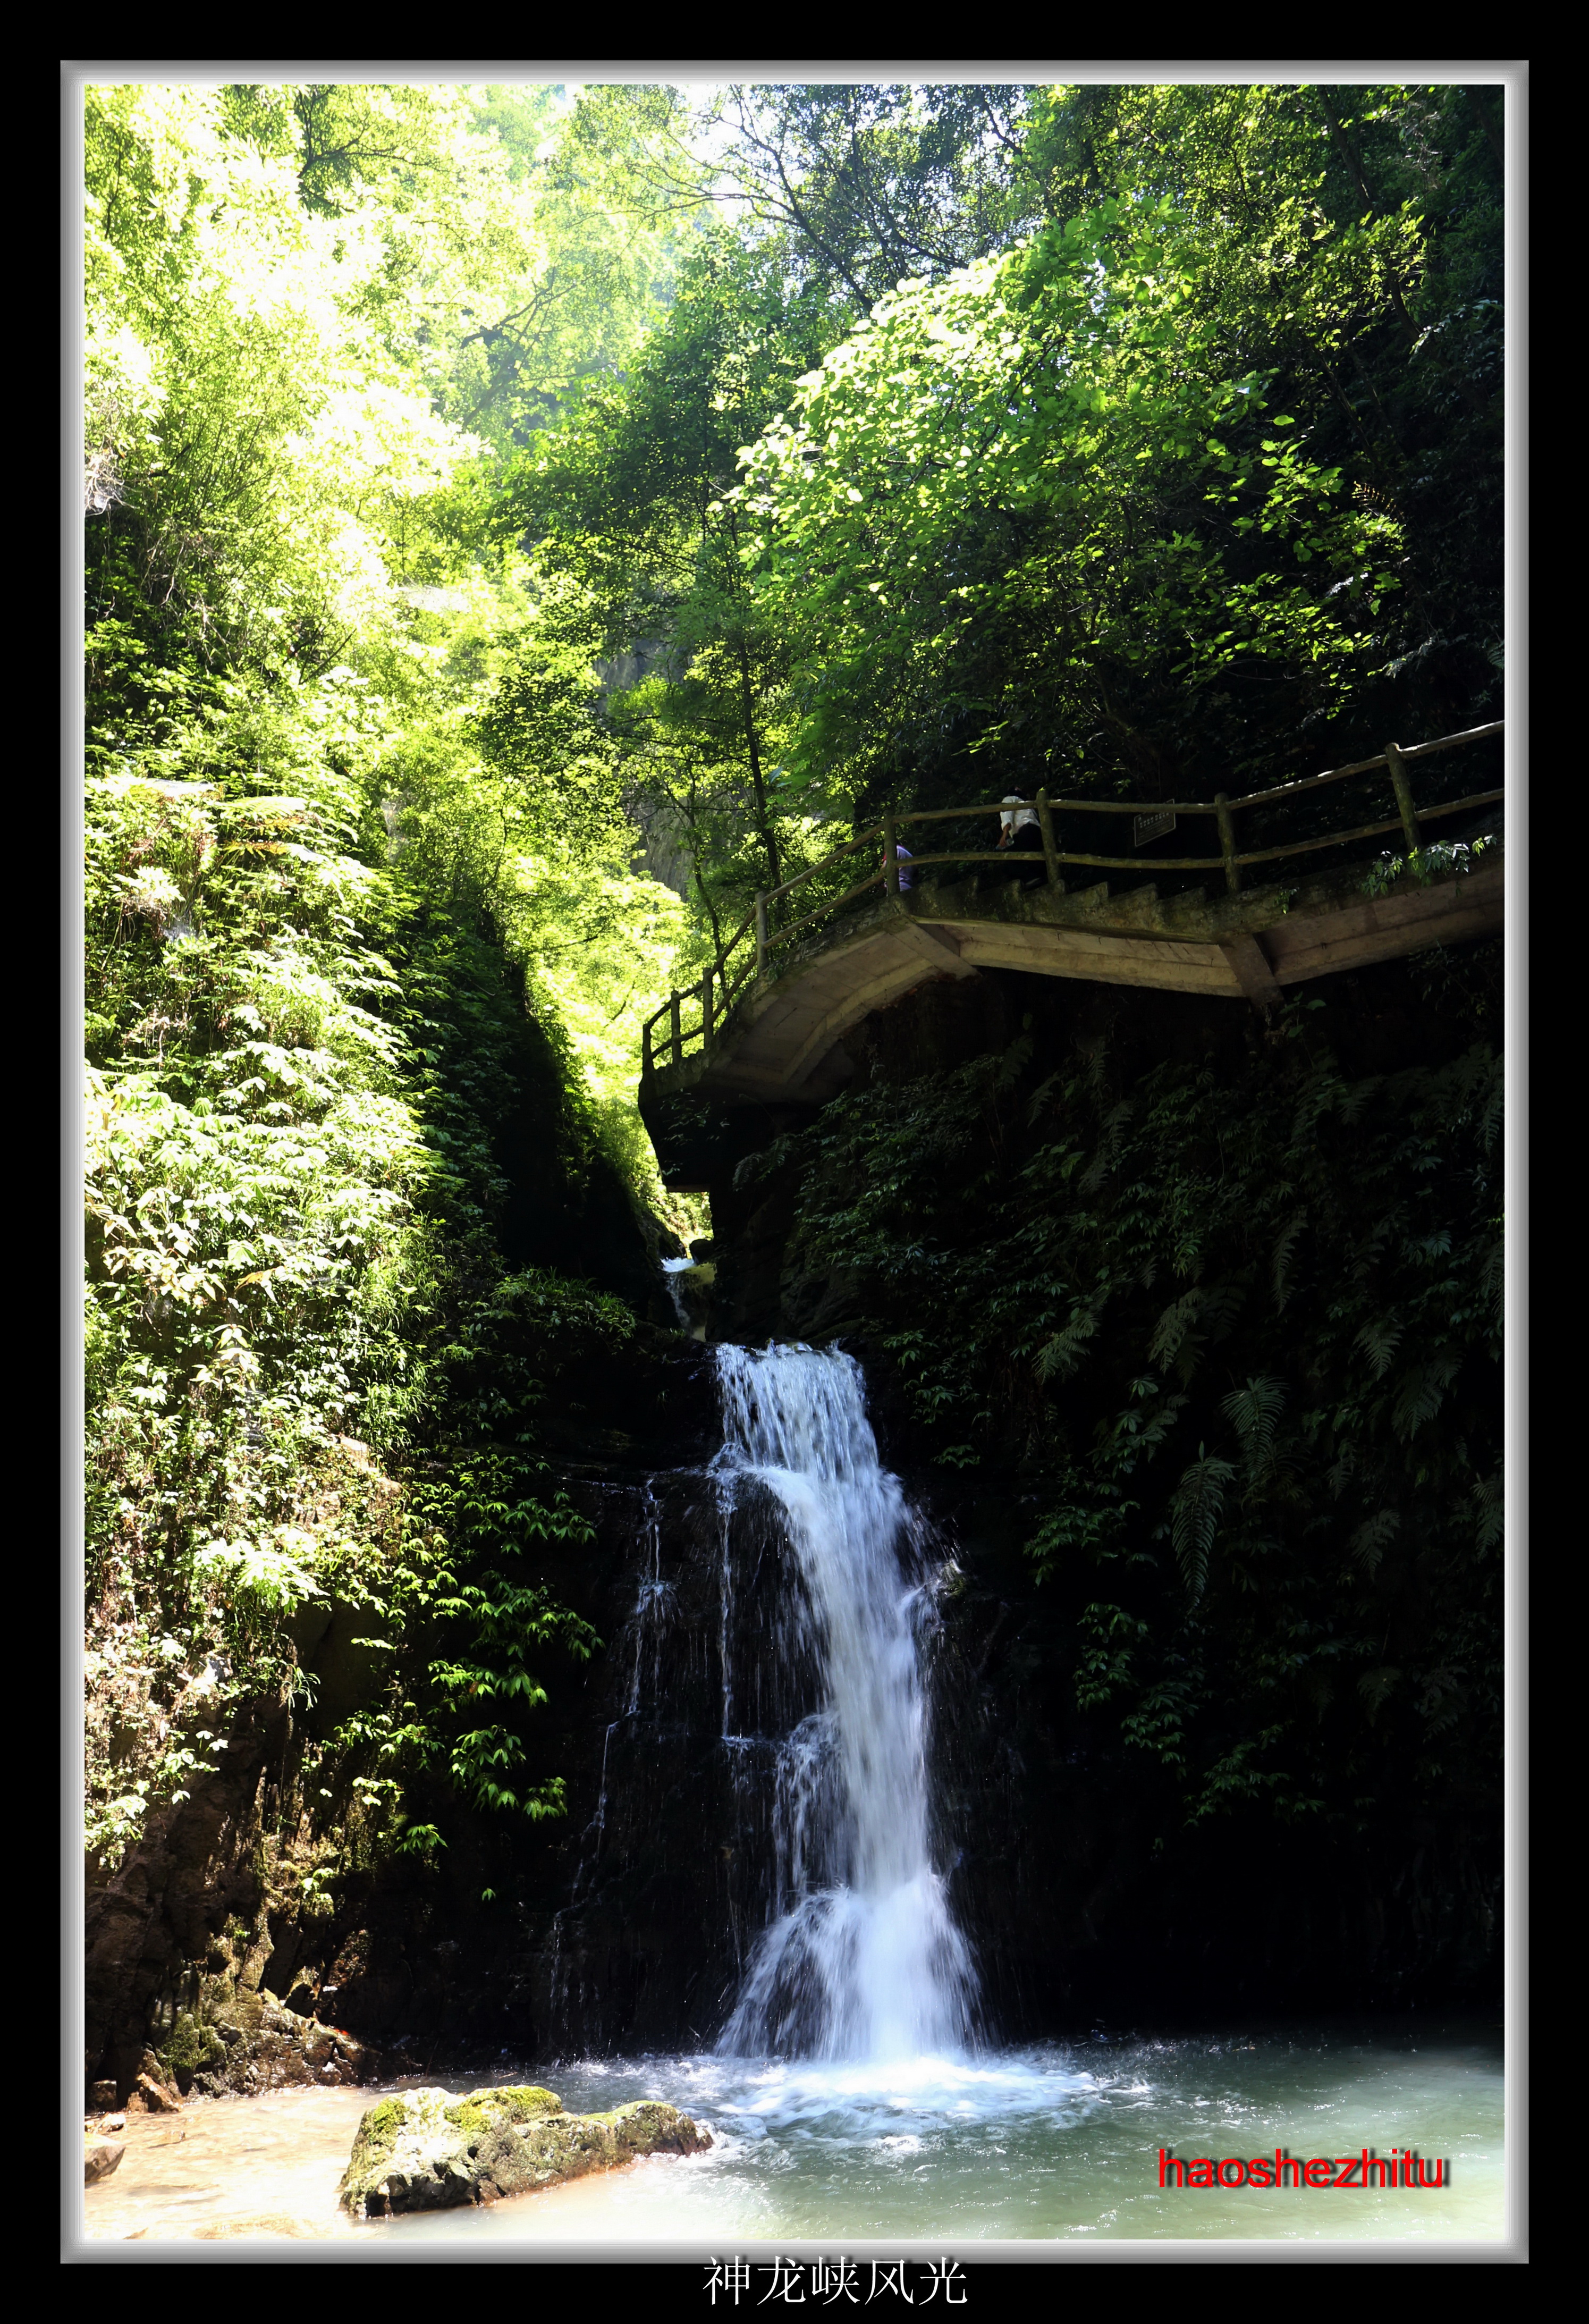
(861, 1959)
(672, 1269)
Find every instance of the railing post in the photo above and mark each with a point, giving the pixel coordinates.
(646, 1068)
(1051, 853)
(678, 1038)
(706, 1005)
(1233, 873)
(890, 853)
(1404, 790)
(760, 936)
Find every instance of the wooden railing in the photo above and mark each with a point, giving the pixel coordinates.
(742, 962)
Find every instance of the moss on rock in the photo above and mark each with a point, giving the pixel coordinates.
(424, 2150)
(191, 2048)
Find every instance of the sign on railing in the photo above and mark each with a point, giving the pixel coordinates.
(742, 961)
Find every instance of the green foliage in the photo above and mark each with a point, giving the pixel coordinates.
(498, 1619)
(1022, 499)
(847, 187)
(863, 185)
(299, 1302)
(318, 1327)
(1424, 865)
(190, 2047)
(633, 511)
(1106, 437)
(1354, 236)
(1239, 1329)
(497, 574)
(1164, 492)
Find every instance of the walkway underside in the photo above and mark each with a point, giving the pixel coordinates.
(1247, 947)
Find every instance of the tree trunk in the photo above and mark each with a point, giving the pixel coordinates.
(775, 877)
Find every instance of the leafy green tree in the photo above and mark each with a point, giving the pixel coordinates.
(854, 185)
(1036, 513)
(633, 502)
(317, 1326)
(1352, 239)
(1130, 504)
(868, 185)
(600, 277)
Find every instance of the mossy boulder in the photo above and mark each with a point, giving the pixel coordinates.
(424, 2150)
(191, 2049)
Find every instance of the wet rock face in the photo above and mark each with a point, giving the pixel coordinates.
(670, 1862)
(200, 1922)
(161, 1909)
(277, 2048)
(237, 2039)
(426, 2151)
(710, 1742)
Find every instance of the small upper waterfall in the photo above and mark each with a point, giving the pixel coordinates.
(861, 1959)
(672, 1269)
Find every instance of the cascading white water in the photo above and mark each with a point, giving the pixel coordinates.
(862, 1959)
(672, 1269)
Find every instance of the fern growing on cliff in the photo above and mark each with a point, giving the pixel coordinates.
(1237, 1327)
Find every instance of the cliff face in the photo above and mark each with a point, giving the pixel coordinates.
(1177, 1329)
(243, 1911)
(1083, 1898)
(1181, 1328)
(1278, 1788)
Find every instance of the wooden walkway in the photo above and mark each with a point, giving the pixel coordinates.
(773, 1029)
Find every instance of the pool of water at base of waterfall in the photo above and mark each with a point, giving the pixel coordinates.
(1050, 2143)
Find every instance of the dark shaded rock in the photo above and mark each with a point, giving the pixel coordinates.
(693, 1286)
(348, 1670)
(164, 1907)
